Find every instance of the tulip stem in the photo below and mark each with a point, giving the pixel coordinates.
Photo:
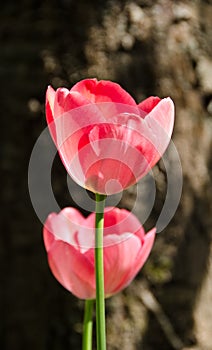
(88, 325)
(99, 272)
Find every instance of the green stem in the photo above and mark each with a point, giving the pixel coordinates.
(99, 272)
(88, 325)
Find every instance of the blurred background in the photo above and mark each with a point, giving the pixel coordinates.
(162, 48)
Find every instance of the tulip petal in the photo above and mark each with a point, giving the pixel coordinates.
(120, 220)
(50, 96)
(148, 241)
(74, 100)
(71, 268)
(64, 225)
(161, 118)
(103, 91)
(138, 261)
(118, 259)
(148, 104)
(59, 101)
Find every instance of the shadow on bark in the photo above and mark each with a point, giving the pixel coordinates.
(178, 297)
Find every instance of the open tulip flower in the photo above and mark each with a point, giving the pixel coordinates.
(106, 141)
(69, 242)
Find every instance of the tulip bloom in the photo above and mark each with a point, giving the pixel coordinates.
(106, 141)
(69, 242)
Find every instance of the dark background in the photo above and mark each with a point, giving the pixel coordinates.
(159, 48)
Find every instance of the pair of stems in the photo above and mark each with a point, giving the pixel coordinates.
(99, 275)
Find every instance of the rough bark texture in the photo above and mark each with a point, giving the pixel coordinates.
(160, 48)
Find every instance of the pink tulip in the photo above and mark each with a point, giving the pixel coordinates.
(106, 141)
(69, 241)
